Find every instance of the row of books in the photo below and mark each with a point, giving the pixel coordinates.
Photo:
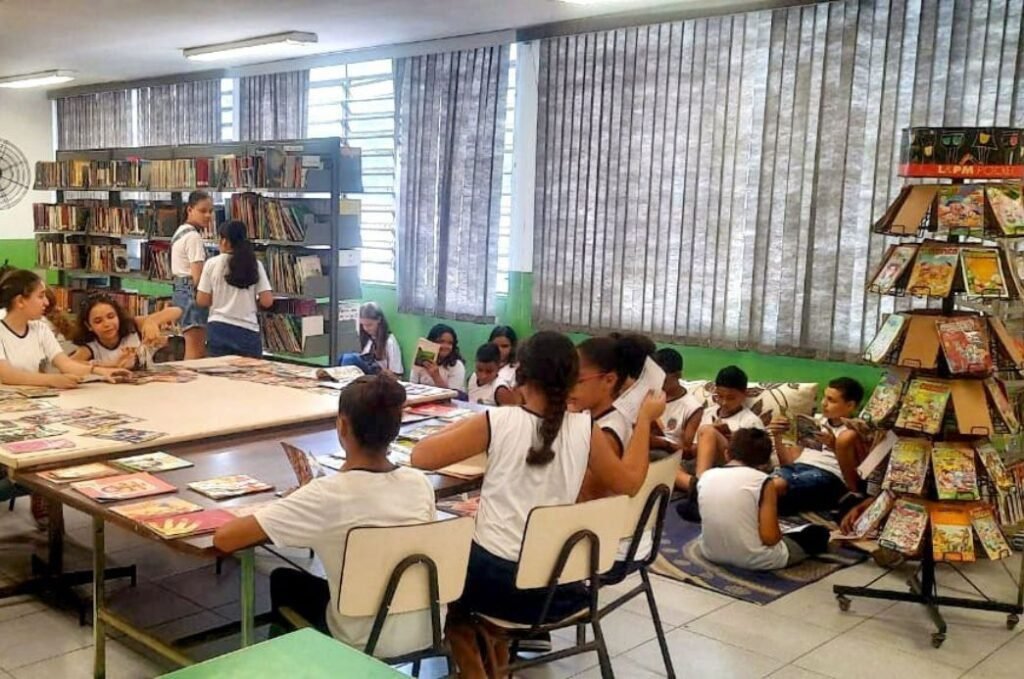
(269, 218)
(953, 468)
(61, 217)
(956, 209)
(930, 269)
(282, 333)
(57, 255)
(71, 299)
(1008, 504)
(98, 217)
(156, 261)
(288, 272)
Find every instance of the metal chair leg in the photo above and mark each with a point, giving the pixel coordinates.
(581, 635)
(415, 668)
(602, 651)
(656, 619)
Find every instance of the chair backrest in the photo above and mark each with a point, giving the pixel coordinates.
(373, 553)
(659, 473)
(549, 528)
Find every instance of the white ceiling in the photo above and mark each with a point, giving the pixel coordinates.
(106, 40)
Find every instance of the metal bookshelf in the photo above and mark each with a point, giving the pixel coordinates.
(332, 230)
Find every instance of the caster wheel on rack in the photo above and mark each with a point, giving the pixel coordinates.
(1011, 620)
(937, 639)
(844, 603)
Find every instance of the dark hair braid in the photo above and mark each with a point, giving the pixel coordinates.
(548, 362)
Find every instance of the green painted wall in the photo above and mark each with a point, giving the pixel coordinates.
(20, 252)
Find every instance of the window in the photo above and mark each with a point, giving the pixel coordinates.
(227, 109)
(357, 103)
(507, 187)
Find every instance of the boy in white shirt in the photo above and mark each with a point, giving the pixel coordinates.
(484, 379)
(683, 410)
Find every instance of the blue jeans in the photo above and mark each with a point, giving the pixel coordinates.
(810, 489)
(184, 297)
(361, 361)
(224, 339)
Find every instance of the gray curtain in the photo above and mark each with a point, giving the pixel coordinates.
(182, 113)
(451, 132)
(273, 106)
(714, 181)
(94, 121)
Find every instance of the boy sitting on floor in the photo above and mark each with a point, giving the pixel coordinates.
(739, 506)
(813, 480)
(683, 410)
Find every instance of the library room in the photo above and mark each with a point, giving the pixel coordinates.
(477, 339)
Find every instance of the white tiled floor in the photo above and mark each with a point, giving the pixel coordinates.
(801, 636)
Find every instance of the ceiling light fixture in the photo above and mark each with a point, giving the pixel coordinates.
(40, 79)
(266, 45)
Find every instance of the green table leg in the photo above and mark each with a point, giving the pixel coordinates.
(248, 561)
(99, 564)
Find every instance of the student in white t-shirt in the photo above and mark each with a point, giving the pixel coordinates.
(484, 379)
(504, 337)
(368, 490)
(739, 508)
(109, 336)
(188, 252)
(29, 352)
(230, 285)
(381, 352)
(449, 371)
(537, 455)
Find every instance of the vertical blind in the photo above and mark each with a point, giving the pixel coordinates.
(273, 106)
(713, 181)
(180, 113)
(94, 121)
(451, 137)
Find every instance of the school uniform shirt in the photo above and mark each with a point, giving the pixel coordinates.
(729, 498)
(825, 458)
(743, 419)
(98, 352)
(484, 394)
(506, 377)
(618, 426)
(512, 488)
(33, 351)
(392, 355)
(320, 515)
(185, 250)
(453, 376)
(231, 305)
(678, 412)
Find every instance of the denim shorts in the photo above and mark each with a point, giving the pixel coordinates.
(192, 315)
(810, 488)
(224, 339)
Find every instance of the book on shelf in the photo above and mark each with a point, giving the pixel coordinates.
(965, 344)
(1005, 201)
(81, 472)
(426, 352)
(905, 528)
(288, 272)
(890, 332)
(955, 475)
(60, 217)
(108, 259)
(924, 405)
(952, 538)
(1003, 406)
(156, 260)
(989, 534)
(908, 466)
(223, 487)
(59, 255)
(934, 270)
(270, 218)
(893, 267)
(151, 509)
(885, 398)
(189, 524)
(287, 333)
(961, 209)
(123, 487)
(993, 464)
(983, 273)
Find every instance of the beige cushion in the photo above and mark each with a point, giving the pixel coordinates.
(767, 399)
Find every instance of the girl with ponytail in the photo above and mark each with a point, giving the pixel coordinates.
(231, 285)
(537, 455)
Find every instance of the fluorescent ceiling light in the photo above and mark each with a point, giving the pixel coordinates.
(40, 79)
(267, 45)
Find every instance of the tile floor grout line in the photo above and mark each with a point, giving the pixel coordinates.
(1013, 638)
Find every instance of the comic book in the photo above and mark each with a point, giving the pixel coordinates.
(924, 406)
(1007, 208)
(964, 343)
(224, 487)
(185, 525)
(991, 536)
(952, 539)
(400, 452)
(79, 472)
(983, 273)
(893, 266)
(123, 487)
(905, 527)
(24, 405)
(872, 516)
(422, 431)
(993, 463)
(961, 209)
(908, 466)
(151, 509)
(955, 474)
(38, 445)
(16, 432)
(934, 270)
(124, 434)
(153, 462)
(305, 466)
(887, 335)
(884, 399)
(1003, 405)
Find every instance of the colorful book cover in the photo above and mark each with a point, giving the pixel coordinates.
(965, 345)
(961, 208)
(1007, 208)
(124, 435)
(874, 514)
(1003, 405)
(934, 270)
(24, 405)
(223, 487)
(993, 463)
(151, 509)
(400, 452)
(952, 539)
(887, 335)
(884, 399)
(422, 431)
(59, 416)
(955, 475)
(123, 487)
(81, 472)
(991, 536)
(38, 446)
(924, 406)
(432, 410)
(101, 421)
(895, 263)
(184, 525)
(983, 273)
(426, 352)
(908, 466)
(305, 466)
(153, 462)
(905, 527)
(16, 432)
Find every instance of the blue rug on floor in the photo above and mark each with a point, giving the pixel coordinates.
(681, 559)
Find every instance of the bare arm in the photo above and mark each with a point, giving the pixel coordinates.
(13, 376)
(196, 269)
(456, 443)
(243, 532)
(768, 516)
(689, 434)
(505, 396)
(266, 299)
(204, 299)
(149, 326)
(82, 355)
(76, 369)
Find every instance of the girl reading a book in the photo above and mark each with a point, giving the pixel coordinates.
(188, 252)
(109, 336)
(449, 370)
(231, 285)
(29, 352)
(381, 353)
(504, 337)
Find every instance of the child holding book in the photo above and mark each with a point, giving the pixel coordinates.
(537, 455)
(484, 379)
(505, 338)
(816, 476)
(188, 253)
(381, 352)
(231, 285)
(683, 411)
(367, 491)
(448, 370)
(739, 507)
(29, 352)
(109, 336)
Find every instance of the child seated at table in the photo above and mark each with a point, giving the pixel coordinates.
(484, 380)
(739, 507)
(448, 371)
(109, 336)
(367, 491)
